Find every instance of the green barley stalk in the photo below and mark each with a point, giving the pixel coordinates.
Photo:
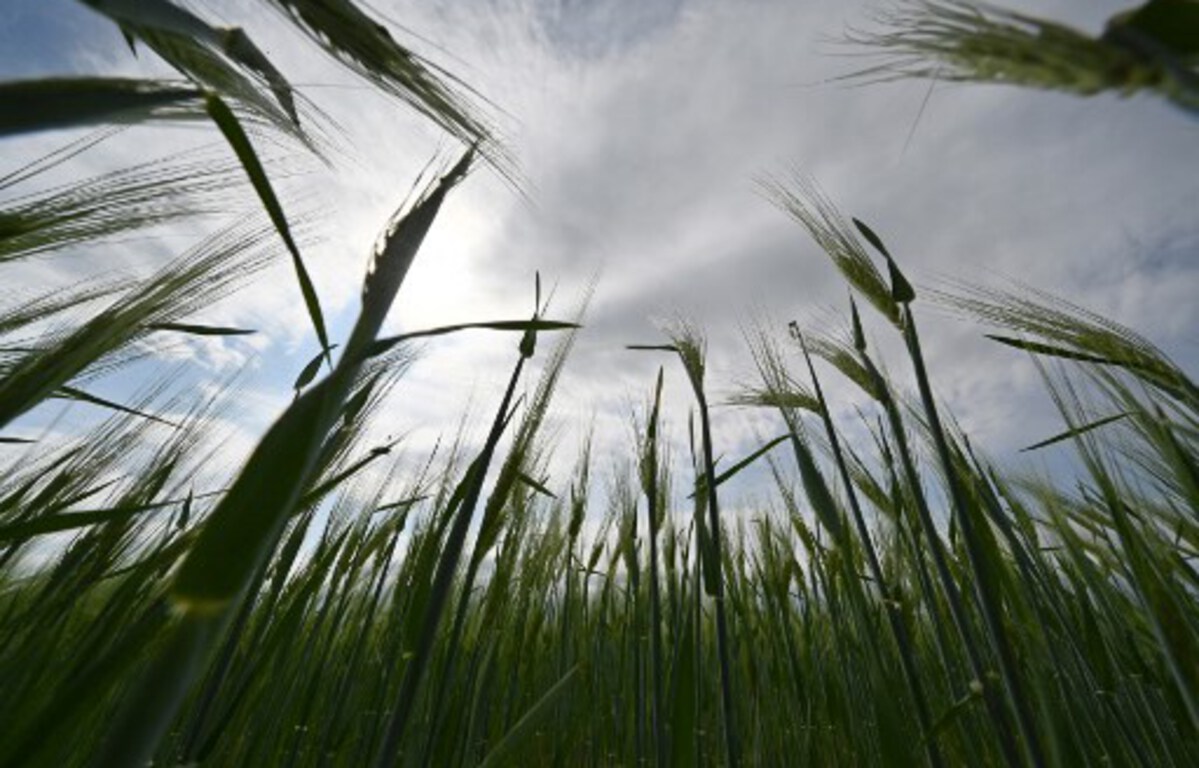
(899, 628)
(689, 346)
(651, 480)
(981, 562)
(243, 531)
(1150, 48)
(447, 563)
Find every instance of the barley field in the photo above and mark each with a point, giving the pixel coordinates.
(897, 597)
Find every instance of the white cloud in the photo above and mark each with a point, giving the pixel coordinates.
(640, 133)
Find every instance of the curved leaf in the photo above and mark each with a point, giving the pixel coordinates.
(39, 105)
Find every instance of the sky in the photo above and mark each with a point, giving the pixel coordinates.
(642, 130)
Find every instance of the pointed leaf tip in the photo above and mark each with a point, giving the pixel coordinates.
(901, 290)
(537, 485)
(311, 369)
(382, 345)
(859, 338)
(240, 143)
(201, 330)
(871, 237)
(652, 347)
(1075, 432)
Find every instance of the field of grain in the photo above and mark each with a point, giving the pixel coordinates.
(908, 601)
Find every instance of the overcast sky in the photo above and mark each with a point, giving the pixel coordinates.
(640, 128)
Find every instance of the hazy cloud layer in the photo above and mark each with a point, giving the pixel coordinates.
(640, 129)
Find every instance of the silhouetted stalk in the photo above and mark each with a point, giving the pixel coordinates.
(953, 596)
(731, 747)
(988, 597)
(899, 628)
(447, 565)
(653, 514)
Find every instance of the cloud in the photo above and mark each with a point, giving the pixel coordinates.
(641, 128)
